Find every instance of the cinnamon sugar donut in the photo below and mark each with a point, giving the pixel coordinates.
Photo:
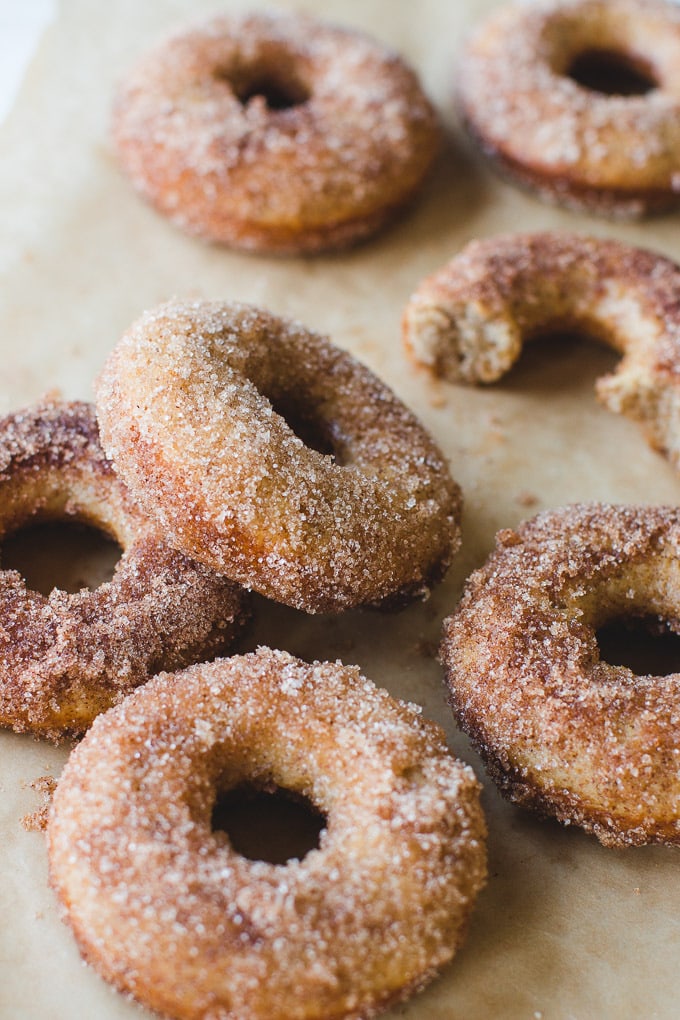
(469, 320)
(275, 133)
(530, 90)
(194, 405)
(67, 657)
(561, 730)
(166, 910)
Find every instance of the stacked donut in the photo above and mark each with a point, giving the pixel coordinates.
(200, 407)
(196, 406)
(245, 452)
(191, 407)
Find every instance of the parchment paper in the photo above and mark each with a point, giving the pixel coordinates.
(565, 928)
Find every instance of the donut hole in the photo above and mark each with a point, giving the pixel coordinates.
(612, 73)
(278, 88)
(307, 426)
(268, 824)
(644, 644)
(564, 358)
(69, 555)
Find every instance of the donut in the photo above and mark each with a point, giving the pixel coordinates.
(66, 657)
(468, 321)
(562, 731)
(579, 101)
(275, 133)
(166, 910)
(202, 406)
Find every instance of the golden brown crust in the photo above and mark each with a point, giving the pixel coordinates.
(320, 174)
(613, 155)
(165, 909)
(469, 320)
(66, 657)
(188, 407)
(561, 730)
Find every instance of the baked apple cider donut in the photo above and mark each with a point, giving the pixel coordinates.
(561, 730)
(579, 100)
(165, 909)
(275, 132)
(66, 657)
(198, 405)
(469, 320)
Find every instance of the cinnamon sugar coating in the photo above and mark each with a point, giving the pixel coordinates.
(562, 731)
(275, 132)
(469, 320)
(66, 657)
(194, 405)
(165, 909)
(612, 154)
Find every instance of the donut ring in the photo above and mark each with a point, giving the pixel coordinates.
(614, 155)
(197, 129)
(468, 321)
(67, 657)
(188, 405)
(166, 910)
(562, 731)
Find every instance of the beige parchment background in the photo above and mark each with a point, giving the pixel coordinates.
(565, 928)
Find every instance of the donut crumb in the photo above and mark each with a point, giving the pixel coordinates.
(36, 821)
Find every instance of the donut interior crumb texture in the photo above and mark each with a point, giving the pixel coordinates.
(533, 84)
(165, 909)
(469, 320)
(65, 657)
(274, 132)
(187, 406)
(563, 731)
